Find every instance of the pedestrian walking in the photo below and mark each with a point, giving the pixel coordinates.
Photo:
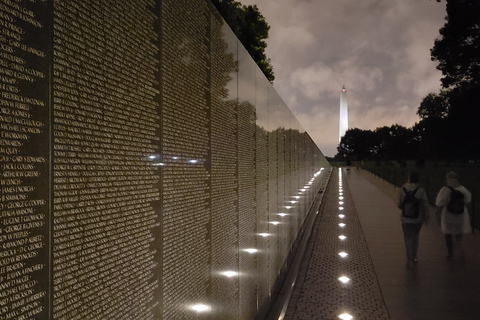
(454, 220)
(413, 201)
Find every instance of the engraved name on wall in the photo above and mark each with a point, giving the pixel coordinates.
(105, 123)
(24, 160)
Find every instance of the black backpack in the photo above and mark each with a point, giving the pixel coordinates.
(411, 204)
(456, 204)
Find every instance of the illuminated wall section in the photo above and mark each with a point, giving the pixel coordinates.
(148, 168)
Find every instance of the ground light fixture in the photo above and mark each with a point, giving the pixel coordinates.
(344, 279)
(340, 208)
(251, 250)
(342, 225)
(345, 316)
(342, 237)
(341, 216)
(264, 234)
(343, 254)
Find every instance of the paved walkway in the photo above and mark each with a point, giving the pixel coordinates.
(381, 285)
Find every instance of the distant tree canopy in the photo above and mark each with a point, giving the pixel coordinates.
(384, 143)
(458, 49)
(449, 126)
(251, 28)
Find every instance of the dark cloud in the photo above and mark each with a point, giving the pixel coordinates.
(378, 49)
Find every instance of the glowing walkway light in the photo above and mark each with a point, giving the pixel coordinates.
(343, 254)
(342, 225)
(344, 279)
(345, 316)
(342, 237)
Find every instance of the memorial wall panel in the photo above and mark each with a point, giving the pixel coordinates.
(296, 177)
(224, 169)
(24, 160)
(281, 123)
(105, 121)
(273, 190)
(246, 186)
(290, 177)
(146, 164)
(262, 188)
(186, 184)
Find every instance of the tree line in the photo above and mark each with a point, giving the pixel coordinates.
(449, 125)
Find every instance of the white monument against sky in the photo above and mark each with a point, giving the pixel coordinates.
(343, 126)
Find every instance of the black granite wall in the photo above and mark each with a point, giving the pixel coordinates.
(148, 169)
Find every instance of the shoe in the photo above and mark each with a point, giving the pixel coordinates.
(450, 257)
(415, 259)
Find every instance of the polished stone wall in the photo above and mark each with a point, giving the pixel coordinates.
(148, 168)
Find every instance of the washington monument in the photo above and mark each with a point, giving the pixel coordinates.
(343, 114)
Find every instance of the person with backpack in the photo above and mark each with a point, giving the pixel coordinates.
(413, 201)
(455, 220)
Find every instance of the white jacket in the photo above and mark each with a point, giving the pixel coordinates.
(453, 223)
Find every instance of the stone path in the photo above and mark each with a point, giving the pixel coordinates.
(381, 285)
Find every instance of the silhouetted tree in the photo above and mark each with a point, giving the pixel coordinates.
(251, 28)
(395, 143)
(458, 49)
(433, 106)
(357, 144)
(458, 54)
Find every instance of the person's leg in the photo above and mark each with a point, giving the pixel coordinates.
(449, 242)
(408, 237)
(416, 227)
(459, 240)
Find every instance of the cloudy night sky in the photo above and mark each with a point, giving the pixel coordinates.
(378, 49)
